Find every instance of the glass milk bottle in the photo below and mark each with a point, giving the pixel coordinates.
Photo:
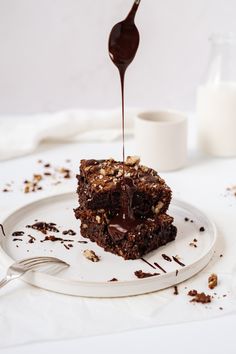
(216, 99)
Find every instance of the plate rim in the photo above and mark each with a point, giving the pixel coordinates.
(6, 260)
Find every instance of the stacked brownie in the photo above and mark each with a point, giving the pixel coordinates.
(100, 194)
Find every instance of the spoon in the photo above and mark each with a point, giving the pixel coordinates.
(124, 40)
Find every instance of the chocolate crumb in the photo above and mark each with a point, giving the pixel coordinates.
(66, 247)
(194, 240)
(82, 241)
(212, 281)
(221, 255)
(220, 308)
(53, 239)
(191, 221)
(47, 174)
(43, 227)
(199, 297)
(69, 232)
(47, 165)
(3, 231)
(5, 190)
(176, 292)
(176, 272)
(140, 274)
(202, 229)
(17, 239)
(113, 279)
(186, 219)
(18, 233)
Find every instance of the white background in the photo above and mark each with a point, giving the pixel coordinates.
(53, 53)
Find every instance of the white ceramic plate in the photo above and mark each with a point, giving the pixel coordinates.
(85, 278)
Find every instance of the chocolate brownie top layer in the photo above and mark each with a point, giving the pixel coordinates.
(106, 175)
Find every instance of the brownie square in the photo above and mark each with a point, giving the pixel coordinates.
(99, 180)
(150, 234)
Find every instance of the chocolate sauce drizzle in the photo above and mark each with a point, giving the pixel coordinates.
(178, 261)
(122, 45)
(144, 260)
(2, 228)
(166, 258)
(158, 266)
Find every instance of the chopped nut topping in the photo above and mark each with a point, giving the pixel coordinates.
(84, 226)
(37, 177)
(98, 219)
(91, 255)
(102, 172)
(132, 160)
(158, 207)
(212, 281)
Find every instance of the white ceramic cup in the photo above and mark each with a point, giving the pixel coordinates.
(161, 139)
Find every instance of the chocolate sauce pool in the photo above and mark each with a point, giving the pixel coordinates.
(123, 44)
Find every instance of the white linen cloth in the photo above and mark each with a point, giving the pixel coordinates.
(21, 135)
(29, 314)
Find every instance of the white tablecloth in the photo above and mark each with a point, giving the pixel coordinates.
(203, 183)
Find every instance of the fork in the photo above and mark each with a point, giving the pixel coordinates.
(19, 268)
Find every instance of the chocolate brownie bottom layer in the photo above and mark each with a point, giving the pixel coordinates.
(99, 180)
(145, 237)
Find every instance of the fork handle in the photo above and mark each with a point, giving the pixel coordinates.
(4, 281)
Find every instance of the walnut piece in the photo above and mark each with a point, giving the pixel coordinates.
(98, 219)
(158, 207)
(91, 255)
(132, 160)
(212, 281)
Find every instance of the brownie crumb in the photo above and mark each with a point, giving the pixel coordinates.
(82, 241)
(53, 239)
(199, 297)
(140, 274)
(186, 219)
(191, 221)
(221, 255)
(176, 291)
(18, 233)
(113, 279)
(202, 229)
(91, 255)
(17, 239)
(5, 190)
(47, 165)
(212, 281)
(69, 232)
(44, 227)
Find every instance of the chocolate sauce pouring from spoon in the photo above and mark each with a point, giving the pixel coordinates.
(123, 44)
